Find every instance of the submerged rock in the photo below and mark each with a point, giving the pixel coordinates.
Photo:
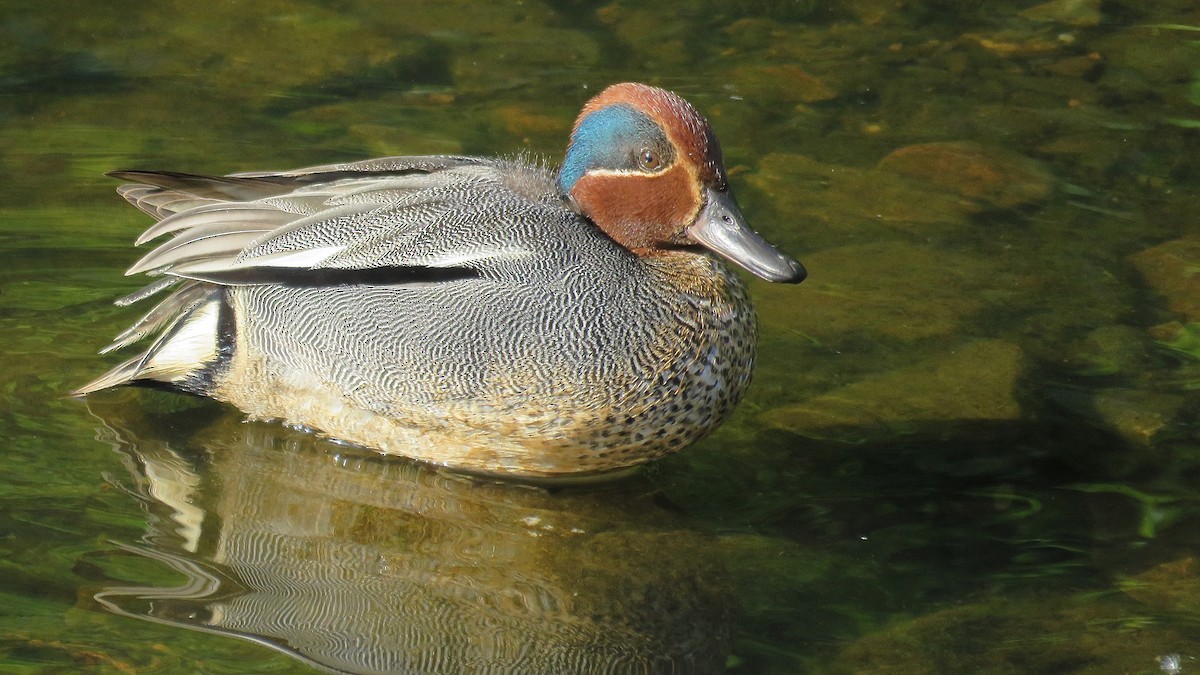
(1138, 416)
(854, 204)
(994, 177)
(1170, 270)
(872, 12)
(768, 84)
(976, 381)
(887, 292)
(1051, 633)
(649, 35)
(1110, 350)
(1168, 586)
(1069, 12)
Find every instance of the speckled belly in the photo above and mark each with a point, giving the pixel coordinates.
(559, 383)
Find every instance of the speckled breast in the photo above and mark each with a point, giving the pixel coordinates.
(701, 363)
(544, 373)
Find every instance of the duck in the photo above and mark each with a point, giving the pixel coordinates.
(489, 315)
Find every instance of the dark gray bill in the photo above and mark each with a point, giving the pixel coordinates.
(721, 228)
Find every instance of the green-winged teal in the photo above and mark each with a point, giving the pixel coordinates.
(482, 314)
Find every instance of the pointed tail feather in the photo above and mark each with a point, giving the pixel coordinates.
(184, 355)
(121, 374)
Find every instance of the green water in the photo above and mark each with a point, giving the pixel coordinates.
(971, 445)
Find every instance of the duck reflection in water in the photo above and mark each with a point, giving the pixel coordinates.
(355, 563)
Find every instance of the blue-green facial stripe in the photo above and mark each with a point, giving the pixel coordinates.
(613, 138)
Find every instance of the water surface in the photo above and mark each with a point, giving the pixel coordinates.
(971, 445)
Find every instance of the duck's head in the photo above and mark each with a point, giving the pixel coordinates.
(645, 167)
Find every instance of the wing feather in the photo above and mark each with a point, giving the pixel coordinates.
(215, 214)
(408, 213)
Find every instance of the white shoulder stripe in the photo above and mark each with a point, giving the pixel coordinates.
(468, 256)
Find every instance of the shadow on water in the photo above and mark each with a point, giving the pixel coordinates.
(354, 563)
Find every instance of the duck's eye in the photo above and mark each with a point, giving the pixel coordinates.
(649, 160)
